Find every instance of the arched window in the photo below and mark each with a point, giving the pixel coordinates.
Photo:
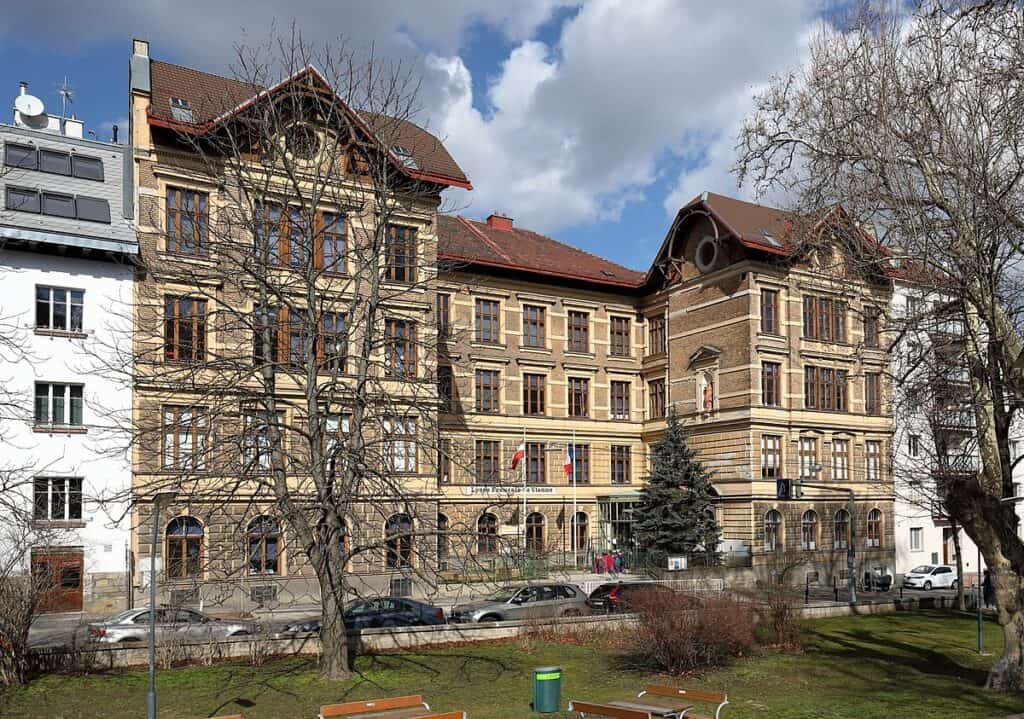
(487, 534)
(535, 532)
(264, 546)
(809, 531)
(184, 548)
(772, 530)
(398, 532)
(875, 528)
(580, 531)
(841, 530)
(442, 542)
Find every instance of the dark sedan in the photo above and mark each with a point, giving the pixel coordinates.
(381, 612)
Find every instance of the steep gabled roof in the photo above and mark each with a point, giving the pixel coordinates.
(477, 243)
(214, 98)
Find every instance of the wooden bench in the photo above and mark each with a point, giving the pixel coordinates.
(228, 716)
(590, 709)
(692, 695)
(409, 707)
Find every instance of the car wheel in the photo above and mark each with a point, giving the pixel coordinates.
(927, 586)
(490, 618)
(242, 633)
(955, 584)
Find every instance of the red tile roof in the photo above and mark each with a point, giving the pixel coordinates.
(473, 242)
(212, 97)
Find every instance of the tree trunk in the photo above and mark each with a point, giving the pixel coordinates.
(961, 600)
(333, 635)
(1007, 674)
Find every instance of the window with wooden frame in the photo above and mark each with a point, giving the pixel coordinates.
(771, 456)
(872, 393)
(187, 221)
(770, 312)
(771, 384)
(184, 329)
(579, 397)
(807, 455)
(536, 463)
(621, 461)
(444, 327)
(872, 327)
(337, 427)
(841, 460)
(486, 322)
(184, 438)
(620, 399)
(297, 353)
(579, 331)
(332, 345)
(445, 388)
(400, 348)
(772, 530)
(809, 531)
(59, 404)
(533, 326)
(257, 447)
(488, 391)
(874, 524)
(487, 534)
(398, 541)
(184, 547)
(619, 339)
(444, 461)
(825, 388)
(841, 530)
(824, 319)
(533, 394)
(282, 237)
(873, 460)
(535, 532)
(400, 246)
(269, 342)
(655, 398)
(581, 463)
(264, 535)
(333, 245)
(400, 444)
(488, 461)
(657, 337)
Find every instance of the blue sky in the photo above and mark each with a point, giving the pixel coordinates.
(591, 123)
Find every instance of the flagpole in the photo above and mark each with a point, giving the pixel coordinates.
(572, 522)
(526, 462)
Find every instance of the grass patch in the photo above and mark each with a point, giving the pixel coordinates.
(920, 664)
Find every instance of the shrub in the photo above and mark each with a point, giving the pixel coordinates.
(676, 635)
(780, 621)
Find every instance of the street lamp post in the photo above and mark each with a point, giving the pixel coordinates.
(158, 499)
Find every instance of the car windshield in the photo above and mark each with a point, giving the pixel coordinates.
(503, 594)
(923, 569)
(122, 617)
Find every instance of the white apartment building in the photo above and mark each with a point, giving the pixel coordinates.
(67, 263)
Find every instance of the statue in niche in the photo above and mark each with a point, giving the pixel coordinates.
(708, 391)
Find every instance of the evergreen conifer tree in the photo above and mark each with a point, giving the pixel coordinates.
(675, 515)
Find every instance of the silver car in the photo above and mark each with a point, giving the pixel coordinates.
(133, 626)
(530, 602)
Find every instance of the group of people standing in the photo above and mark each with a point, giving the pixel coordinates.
(609, 563)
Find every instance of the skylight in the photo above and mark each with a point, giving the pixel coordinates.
(405, 156)
(181, 110)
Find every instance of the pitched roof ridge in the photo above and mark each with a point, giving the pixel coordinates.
(489, 242)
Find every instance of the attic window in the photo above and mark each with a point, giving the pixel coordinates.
(404, 156)
(181, 110)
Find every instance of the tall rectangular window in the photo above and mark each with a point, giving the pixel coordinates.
(487, 323)
(914, 445)
(808, 457)
(332, 345)
(621, 464)
(57, 499)
(824, 319)
(400, 245)
(257, 445)
(58, 308)
(771, 384)
(58, 404)
(400, 444)
(825, 388)
(579, 331)
(872, 393)
(619, 337)
(445, 388)
(400, 348)
(841, 459)
(444, 461)
(770, 312)
(184, 329)
(771, 456)
(620, 399)
(488, 399)
(333, 243)
(444, 319)
(187, 221)
(533, 394)
(536, 468)
(872, 460)
(655, 398)
(184, 438)
(533, 326)
(916, 539)
(581, 463)
(872, 327)
(488, 461)
(656, 335)
(579, 397)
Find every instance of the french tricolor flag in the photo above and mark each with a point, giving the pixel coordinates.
(570, 457)
(518, 456)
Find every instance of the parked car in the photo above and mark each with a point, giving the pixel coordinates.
(616, 597)
(529, 602)
(380, 612)
(931, 576)
(133, 626)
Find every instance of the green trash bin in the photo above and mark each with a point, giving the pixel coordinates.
(547, 689)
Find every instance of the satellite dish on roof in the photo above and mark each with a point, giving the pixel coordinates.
(29, 105)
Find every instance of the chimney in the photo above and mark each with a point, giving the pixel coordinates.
(22, 88)
(499, 221)
(113, 132)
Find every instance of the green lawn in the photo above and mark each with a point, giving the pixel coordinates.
(905, 665)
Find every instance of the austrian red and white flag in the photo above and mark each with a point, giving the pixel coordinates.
(518, 456)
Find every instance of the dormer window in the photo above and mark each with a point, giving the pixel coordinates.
(404, 156)
(181, 110)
